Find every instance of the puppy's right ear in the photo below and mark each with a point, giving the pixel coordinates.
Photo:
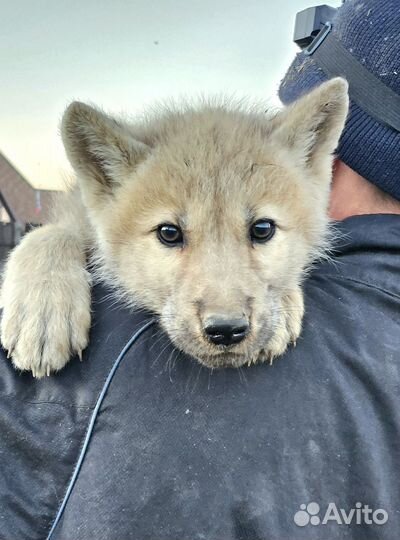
(311, 126)
(101, 150)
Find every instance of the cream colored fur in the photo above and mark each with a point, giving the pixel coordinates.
(212, 170)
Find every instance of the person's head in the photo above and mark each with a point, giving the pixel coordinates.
(363, 45)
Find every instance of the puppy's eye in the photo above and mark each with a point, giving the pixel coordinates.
(170, 235)
(262, 230)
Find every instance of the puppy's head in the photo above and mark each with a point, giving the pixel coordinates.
(208, 216)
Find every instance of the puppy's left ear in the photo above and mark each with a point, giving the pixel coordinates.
(102, 151)
(311, 127)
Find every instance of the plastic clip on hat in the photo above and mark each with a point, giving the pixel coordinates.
(362, 44)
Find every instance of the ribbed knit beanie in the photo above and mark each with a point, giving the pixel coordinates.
(367, 32)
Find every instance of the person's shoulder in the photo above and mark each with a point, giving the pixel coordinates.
(366, 248)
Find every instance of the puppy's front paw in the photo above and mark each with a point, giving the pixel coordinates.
(289, 328)
(43, 326)
(46, 312)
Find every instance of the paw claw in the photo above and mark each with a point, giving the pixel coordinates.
(289, 328)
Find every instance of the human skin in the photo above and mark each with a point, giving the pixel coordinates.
(353, 195)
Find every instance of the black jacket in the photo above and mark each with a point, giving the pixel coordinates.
(174, 451)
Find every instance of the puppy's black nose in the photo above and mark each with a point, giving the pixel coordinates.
(226, 331)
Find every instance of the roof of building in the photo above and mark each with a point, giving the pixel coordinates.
(25, 203)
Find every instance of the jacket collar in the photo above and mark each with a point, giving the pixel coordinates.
(372, 232)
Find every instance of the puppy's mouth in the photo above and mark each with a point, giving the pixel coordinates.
(226, 359)
(214, 356)
(245, 353)
(222, 360)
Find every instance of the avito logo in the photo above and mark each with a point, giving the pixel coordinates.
(310, 514)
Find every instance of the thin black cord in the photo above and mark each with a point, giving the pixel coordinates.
(89, 432)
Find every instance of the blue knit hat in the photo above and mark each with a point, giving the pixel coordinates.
(369, 31)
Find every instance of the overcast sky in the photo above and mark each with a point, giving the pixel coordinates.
(124, 54)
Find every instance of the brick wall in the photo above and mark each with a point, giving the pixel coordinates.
(28, 205)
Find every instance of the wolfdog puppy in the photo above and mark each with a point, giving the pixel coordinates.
(208, 216)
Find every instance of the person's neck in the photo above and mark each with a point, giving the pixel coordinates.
(353, 195)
